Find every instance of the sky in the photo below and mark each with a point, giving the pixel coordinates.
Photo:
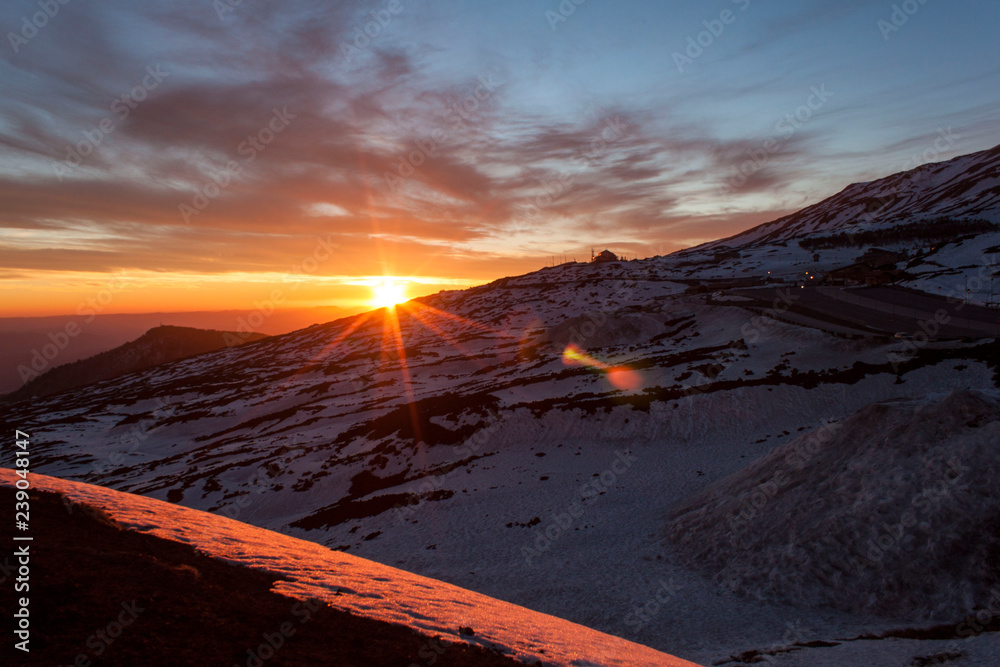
(199, 155)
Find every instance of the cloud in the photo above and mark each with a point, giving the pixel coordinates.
(414, 156)
(470, 186)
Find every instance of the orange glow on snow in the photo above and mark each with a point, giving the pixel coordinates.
(452, 317)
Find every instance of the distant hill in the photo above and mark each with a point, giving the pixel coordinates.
(157, 346)
(24, 339)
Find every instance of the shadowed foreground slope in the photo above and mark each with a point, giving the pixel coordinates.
(120, 597)
(181, 608)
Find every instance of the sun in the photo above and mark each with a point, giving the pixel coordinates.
(388, 294)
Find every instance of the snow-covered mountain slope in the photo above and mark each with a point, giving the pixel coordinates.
(308, 571)
(943, 217)
(524, 439)
(965, 187)
(490, 459)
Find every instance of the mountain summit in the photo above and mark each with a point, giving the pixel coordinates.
(965, 187)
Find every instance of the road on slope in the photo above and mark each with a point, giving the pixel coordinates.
(875, 311)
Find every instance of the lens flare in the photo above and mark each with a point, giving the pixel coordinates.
(620, 377)
(624, 378)
(574, 356)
